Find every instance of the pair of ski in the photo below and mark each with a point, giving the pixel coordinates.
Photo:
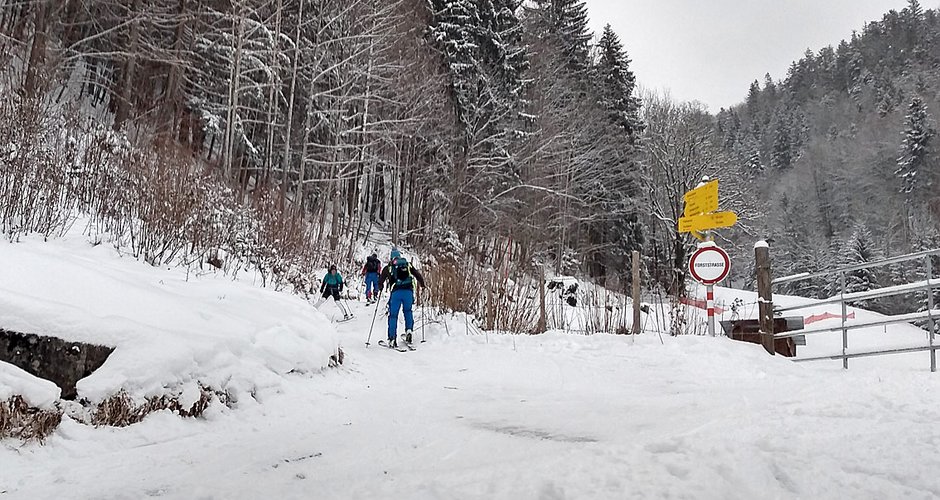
(408, 347)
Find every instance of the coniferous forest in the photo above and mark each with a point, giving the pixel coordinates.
(842, 152)
(280, 134)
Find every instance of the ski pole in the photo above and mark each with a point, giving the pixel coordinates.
(374, 314)
(423, 320)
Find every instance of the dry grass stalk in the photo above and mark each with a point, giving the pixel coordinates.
(120, 410)
(18, 420)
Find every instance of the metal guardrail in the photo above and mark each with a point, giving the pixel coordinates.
(918, 286)
(899, 350)
(878, 263)
(876, 293)
(888, 320)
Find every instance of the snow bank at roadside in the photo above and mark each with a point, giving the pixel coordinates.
(171, 330)
(35, 391)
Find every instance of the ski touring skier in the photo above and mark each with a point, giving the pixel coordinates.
(399, 276)
(371, 273)
(332, 285)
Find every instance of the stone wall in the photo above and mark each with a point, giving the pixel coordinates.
(64, 363)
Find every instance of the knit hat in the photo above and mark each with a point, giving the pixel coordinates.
(395, 253)
(332, 267)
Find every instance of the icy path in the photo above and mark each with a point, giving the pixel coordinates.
(555, 417)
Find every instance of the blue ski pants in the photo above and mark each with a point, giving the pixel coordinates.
(372, 284)
(400, 299)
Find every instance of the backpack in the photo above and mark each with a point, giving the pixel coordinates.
(401, 273)
(372, 265)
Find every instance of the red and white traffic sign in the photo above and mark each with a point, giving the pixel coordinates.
(709, 264)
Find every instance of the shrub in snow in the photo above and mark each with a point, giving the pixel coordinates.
(446, 245)
(19, 420)
(120, 410)
(152, 200)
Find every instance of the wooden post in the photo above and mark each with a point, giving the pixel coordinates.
(543, 321)
(930, 320)
(636, 292)
(764, 294)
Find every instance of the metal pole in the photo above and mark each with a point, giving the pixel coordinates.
(710, 296)
(845, 332)
(710, 307)
(424, 320)
(374, 314)
(930, 323)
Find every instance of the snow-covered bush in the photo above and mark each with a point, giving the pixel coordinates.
(155, 201)
(19, 420)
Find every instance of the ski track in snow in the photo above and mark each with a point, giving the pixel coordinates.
(558, 417)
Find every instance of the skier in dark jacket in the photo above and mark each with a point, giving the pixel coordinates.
(371, 272)
(399, 275)
(332, 285)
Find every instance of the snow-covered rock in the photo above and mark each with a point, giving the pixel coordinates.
(170, 329)
(35, 391)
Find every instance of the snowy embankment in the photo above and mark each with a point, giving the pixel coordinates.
(36, 392)
(172, 331)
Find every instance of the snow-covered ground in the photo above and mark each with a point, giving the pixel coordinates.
(554, 416)
(473, 416)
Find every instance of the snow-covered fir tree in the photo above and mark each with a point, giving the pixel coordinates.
(915, 161)
(454, 31)
(859, 248)
(617, 84)
(782, 153)
(567, 22)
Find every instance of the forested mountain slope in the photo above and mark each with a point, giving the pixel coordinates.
(842, 153)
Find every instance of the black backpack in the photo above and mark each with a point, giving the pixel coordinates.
(401, 273)
(372, 265)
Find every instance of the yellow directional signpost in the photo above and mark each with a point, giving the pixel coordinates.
(702, 199)
(705, 222)
(701, 205)
(701, 215)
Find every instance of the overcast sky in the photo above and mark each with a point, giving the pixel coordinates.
(711, 50)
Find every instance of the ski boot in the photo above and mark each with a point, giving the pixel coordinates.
(407, 336)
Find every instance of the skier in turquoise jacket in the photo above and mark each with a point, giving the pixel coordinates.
(332, 285)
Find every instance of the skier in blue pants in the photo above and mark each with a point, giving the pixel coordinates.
(399, 275)
(371, 273)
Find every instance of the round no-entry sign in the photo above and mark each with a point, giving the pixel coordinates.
(709, 265)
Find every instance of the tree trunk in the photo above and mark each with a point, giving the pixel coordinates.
(123, 111)
(37, 53)
(232, 112)
(175, 77)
